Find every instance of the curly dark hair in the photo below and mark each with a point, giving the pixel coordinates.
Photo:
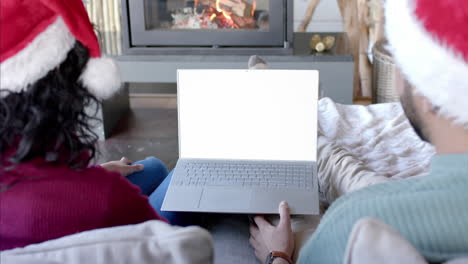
(50, 118)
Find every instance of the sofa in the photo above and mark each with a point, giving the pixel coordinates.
(371, 241)
(358, 146)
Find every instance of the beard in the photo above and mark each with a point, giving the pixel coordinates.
(407, 101)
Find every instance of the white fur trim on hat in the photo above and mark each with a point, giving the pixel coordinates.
(101, 77)
(435, 70)
(48, 50)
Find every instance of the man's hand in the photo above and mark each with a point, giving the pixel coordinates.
(266, 238)
(123, 166)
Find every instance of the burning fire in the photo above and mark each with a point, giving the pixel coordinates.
(223, 13)
(254, 7)
(218, 14)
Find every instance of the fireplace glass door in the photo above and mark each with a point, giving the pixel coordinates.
(227, 23)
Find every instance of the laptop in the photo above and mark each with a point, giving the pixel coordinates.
(247, 141)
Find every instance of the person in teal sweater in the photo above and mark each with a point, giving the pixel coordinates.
(428, 41)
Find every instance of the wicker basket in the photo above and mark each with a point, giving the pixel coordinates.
(383, 76)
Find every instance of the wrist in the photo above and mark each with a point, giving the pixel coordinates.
(278, 257)
(280, 261)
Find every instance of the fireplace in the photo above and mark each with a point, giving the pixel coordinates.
(207, 26)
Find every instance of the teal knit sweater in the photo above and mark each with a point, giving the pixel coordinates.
(431, 212)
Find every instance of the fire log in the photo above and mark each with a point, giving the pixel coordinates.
(235, 6)
(329, 42)
(244, 22)
(314, 41)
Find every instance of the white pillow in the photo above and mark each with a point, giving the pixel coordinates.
(148, 242)
(372, 241)
(458, 261)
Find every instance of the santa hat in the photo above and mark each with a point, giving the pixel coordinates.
(35, 38)
(429, 41)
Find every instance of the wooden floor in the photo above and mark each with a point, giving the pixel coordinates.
(150, 129)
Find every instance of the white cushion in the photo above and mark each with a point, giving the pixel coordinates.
(148, 242)
(458, 261)
(372, 241)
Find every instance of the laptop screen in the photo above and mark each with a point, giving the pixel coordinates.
(248, 114)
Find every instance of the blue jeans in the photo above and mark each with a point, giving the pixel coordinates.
(153, 182)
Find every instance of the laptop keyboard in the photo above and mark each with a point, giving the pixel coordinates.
(246, 175)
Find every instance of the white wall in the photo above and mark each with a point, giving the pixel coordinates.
(327, 16)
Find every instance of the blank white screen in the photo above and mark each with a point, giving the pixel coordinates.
(248, 114)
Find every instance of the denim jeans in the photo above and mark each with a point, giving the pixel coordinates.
(153, 182)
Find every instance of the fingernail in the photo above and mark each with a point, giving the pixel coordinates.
(284, 204)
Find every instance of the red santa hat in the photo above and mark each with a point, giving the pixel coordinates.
(35, 38)
(429, 40)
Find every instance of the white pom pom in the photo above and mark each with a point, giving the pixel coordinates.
(101, 77)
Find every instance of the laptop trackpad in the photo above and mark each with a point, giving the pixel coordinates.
(222, 199)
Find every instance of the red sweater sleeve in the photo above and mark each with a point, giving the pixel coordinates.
(128, 205)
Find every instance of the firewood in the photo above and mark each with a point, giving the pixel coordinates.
(204, 2)
(235, 6)
(329, 42)
(316, 43)
(314, 40)
(244, 22)
(320, 47)
(249, 10)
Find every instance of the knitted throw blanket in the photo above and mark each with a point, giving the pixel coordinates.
(363, 145)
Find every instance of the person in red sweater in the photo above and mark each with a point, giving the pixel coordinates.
(52, 72)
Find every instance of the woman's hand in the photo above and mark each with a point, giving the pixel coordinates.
(265, 237)
(123, 166)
